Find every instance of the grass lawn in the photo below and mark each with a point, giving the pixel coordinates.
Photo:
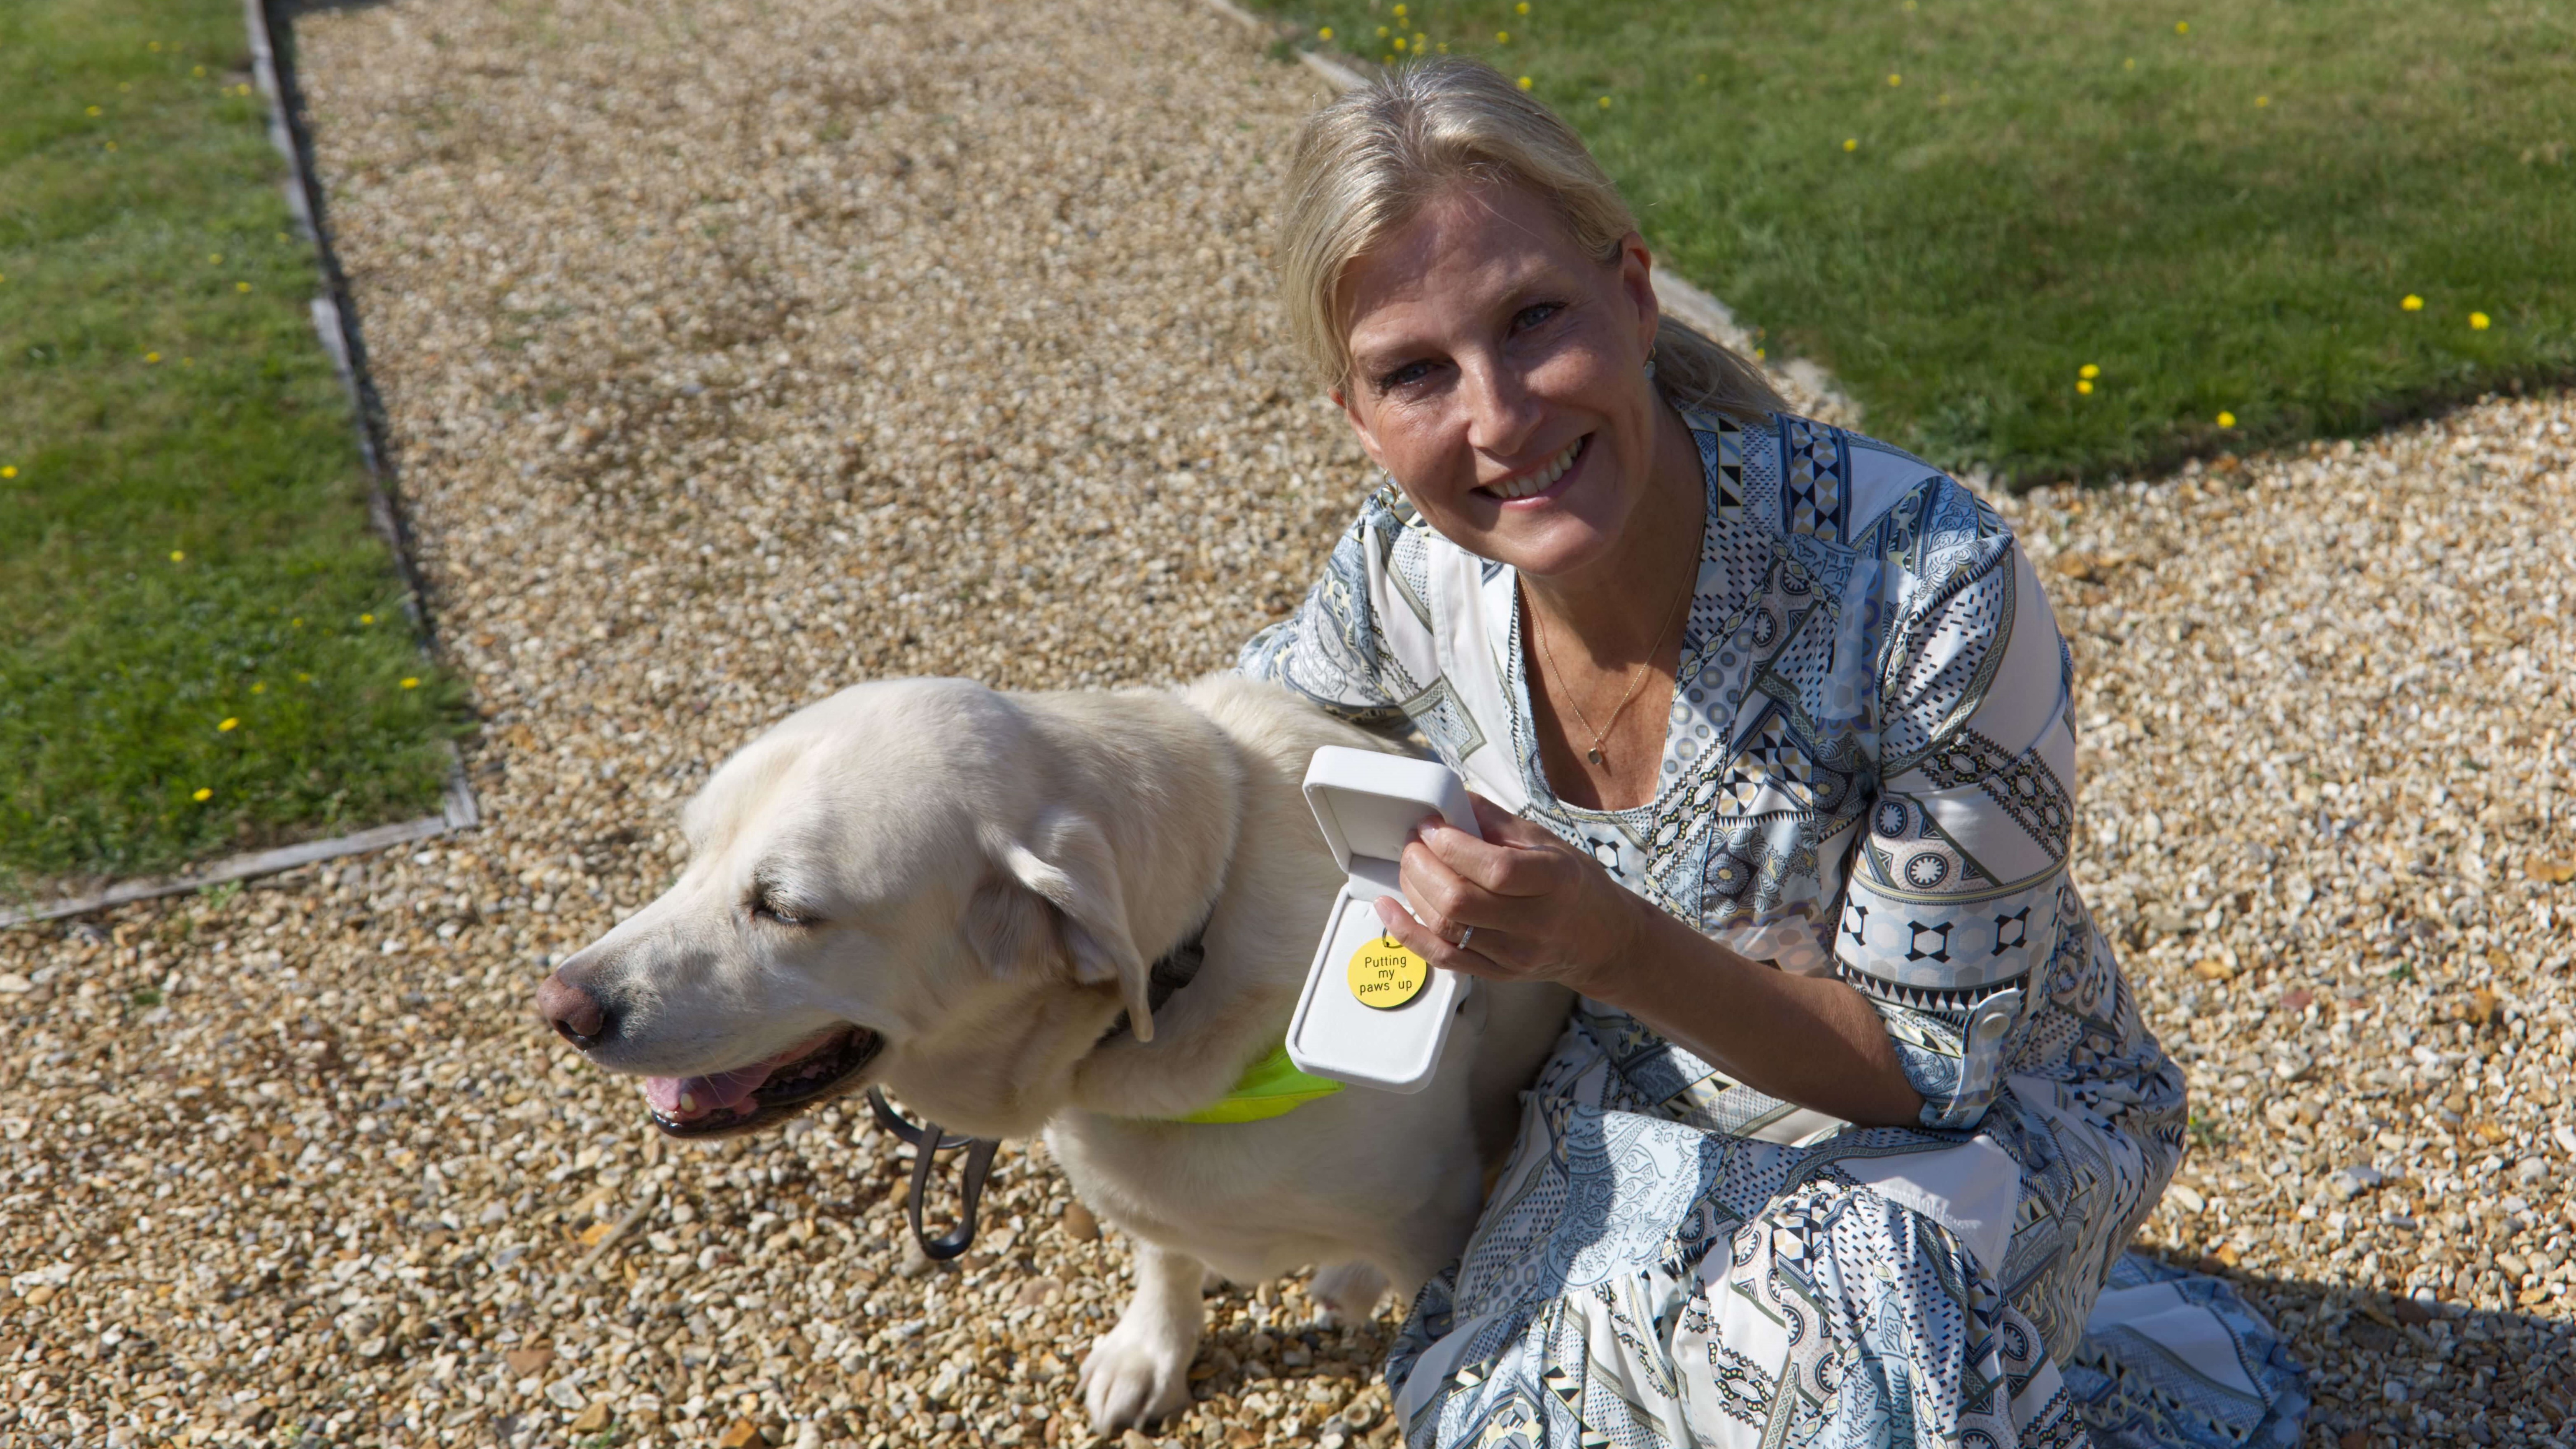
(202, 645)
(2222, 206)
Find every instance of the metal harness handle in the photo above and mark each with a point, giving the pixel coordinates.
(928, 1142)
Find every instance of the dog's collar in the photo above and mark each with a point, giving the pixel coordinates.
(1272, 1086)
(1175, 969)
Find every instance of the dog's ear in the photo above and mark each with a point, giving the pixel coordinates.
(1058, 896)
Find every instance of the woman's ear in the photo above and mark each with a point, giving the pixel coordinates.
(1351, 414)
(1637, 281)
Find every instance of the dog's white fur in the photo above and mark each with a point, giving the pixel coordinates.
(990, 877)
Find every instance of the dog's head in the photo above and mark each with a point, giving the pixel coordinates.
(903, 883)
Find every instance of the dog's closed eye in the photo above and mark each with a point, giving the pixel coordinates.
(769, 904)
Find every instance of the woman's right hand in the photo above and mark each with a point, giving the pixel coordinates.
(1539, 909)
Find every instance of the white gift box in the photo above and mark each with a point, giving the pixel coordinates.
(1368, 804)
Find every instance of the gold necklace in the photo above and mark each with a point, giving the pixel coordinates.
(1689, 583)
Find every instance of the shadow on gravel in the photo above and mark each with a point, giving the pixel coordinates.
(2386, 1371)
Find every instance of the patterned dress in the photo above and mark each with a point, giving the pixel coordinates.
(1869, 771)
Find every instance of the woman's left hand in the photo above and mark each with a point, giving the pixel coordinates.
(1540, 909)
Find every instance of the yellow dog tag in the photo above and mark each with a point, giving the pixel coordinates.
(1386, 975)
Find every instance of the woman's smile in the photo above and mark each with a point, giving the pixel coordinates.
(1543, 483)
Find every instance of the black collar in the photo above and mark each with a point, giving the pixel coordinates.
(1177, 968)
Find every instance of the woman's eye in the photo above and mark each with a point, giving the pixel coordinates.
(1411, 372)
(1533, 315)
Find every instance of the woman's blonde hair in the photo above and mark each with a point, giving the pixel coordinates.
(1367, 162)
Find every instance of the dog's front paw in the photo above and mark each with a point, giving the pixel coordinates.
(1349, 1292)
(1136, 1374)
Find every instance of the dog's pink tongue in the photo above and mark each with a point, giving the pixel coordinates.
(686, 1098)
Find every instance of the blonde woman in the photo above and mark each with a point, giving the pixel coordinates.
(1769, 725)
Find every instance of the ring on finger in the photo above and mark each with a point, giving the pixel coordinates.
(1461, 942)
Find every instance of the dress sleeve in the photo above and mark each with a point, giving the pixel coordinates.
(1956, 891)
(1333, 649)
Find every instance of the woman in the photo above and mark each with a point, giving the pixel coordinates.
(1769, 725)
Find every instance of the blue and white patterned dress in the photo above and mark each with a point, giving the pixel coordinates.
(1869, 771)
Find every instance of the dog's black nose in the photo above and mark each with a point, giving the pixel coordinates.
(575, 1014)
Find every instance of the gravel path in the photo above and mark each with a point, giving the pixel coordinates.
(737, 352)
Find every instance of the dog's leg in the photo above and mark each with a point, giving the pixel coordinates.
(1139, 1371)
(1349, 1291)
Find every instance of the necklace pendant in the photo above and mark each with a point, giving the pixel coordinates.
(1594, 755)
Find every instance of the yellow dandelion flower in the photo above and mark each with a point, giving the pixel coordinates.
(2129, 63)
(2412, 303)
(409, 683)
(1383, 32)
(1399, 42)
(1851, 143)
(111, 145)
(2261, 101)
(303, 678)
(1401, 12)
(241, 286)
(202, 795)
(228, 726)
(1522, 8)
(1895, 79)
(2477, 321)
(1523, 82)
(153, 45)
(95, 111)
(366, 618)
(214, 259)
(10, 471)
(1418, 39)
(1702, 77)
(178, 555)
(1502, 37)
(1324, 33)
(1605, 103)
(198, 71)
(296, 623)
(2182, 27)
(259, 686)
(2227, 420)
(152, 357)
(2085, 388)
(1759, 354)
(2088, 370)
(1442, 47)
(1387, 59)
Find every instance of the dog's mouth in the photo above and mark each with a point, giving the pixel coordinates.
(720, 1103)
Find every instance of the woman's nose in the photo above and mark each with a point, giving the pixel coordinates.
(1500, 413)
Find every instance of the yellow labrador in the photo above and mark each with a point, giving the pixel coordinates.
(959, 893)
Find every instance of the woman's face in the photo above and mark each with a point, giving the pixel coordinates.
(1497, 373)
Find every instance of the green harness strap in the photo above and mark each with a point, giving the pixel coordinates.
(1270, 1087)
